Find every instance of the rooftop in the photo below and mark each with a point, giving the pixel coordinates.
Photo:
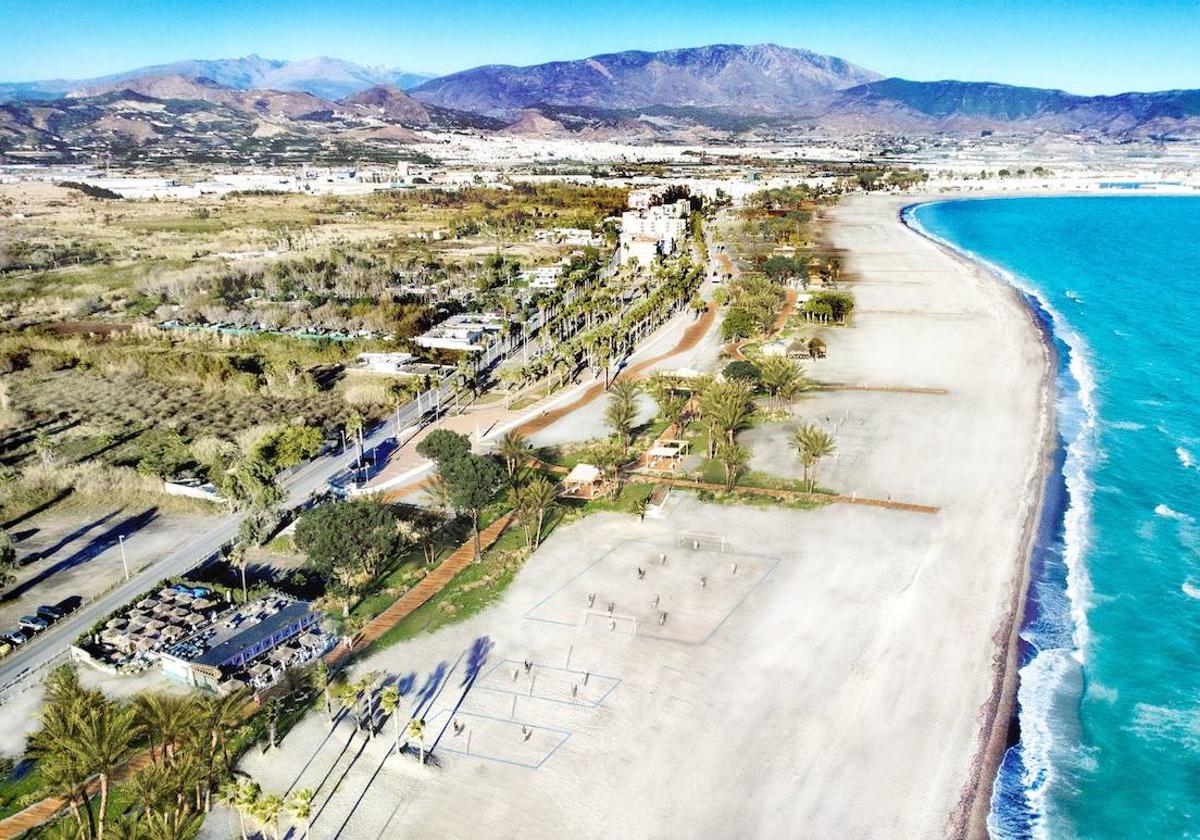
(246, 637)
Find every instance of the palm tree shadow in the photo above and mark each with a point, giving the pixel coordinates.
(95, 547)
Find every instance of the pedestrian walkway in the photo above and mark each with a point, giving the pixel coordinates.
(691, 337)
(430, 585)
(785, 495)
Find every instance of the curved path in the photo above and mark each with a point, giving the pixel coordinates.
(690, 338)
(734, 349)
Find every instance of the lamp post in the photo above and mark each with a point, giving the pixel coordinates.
(124, 559)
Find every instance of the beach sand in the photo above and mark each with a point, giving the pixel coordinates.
(843, 683)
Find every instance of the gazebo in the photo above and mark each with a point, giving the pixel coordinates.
(585, 481)
(666, 455)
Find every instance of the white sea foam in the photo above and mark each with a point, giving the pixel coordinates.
(1185, 458)
(1078, 418)
(1071, 294)
(1126, 425)
(1167, 512)
(1102, 692)
(1164, 722)
(1191, 590)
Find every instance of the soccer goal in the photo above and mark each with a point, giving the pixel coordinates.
(697, 540)
(622, 623)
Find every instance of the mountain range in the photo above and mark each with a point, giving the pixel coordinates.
(331, 78)
(259, 106)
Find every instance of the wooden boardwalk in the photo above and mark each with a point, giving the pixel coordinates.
(426, 588)
(785, 495)
(42, 812)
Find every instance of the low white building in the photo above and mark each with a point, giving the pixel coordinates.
(465, 333)
(389, 363)
(642, 248)
(542, 277)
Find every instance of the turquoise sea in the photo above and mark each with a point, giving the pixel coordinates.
(1109, 698)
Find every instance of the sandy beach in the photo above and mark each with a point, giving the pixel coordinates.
(841, 672)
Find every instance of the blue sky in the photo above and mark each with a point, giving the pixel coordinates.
(1102, 46)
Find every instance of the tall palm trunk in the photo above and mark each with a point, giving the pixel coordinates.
(103, 811)
(475, 533)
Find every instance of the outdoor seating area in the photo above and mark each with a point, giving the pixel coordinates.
(585, 481)
(666, 455)
(133, 639)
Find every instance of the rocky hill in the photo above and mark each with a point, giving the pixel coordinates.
(764, 78)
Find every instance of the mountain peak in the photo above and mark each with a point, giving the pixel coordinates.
(762, 78)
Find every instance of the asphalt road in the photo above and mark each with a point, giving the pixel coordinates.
(299, 483)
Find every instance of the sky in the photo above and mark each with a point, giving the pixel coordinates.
(1086, 46)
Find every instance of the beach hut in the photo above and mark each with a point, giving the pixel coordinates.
(585, 481)
(666, 455)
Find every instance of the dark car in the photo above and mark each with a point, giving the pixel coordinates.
(32, 622)
(15, 637)
(68, 605)
(48, 613)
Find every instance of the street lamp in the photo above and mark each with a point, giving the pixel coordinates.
(124, 559)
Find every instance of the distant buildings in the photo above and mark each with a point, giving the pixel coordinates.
(387, 363)
(568, 236)
(467, 333)
(655, 230)
(542, 277)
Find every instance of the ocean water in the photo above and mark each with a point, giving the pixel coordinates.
(1109, 697)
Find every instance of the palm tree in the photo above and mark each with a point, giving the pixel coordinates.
(267, 810)
(354, 429)
(62, 773)
(621, 411)
(517, 501)
(163, 719)
(389, 701)
(733, 456)
(150, 787)
(321, 681)
(416, 730)
(514, 448)
(239, 559)
(242, 797)
(174, 825)
(781, 376)
(728, 406)
(540, 495)
(812, 444)
(220, 716)
(301, 807)
(107, 733)
(609, 455)
(670, 407)
(346, 695)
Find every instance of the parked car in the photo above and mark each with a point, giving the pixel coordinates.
(69, 604)
(32, 622)
(48, 613)
(15, 637)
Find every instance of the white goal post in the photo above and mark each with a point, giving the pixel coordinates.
(616, 622)
(697, 540)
